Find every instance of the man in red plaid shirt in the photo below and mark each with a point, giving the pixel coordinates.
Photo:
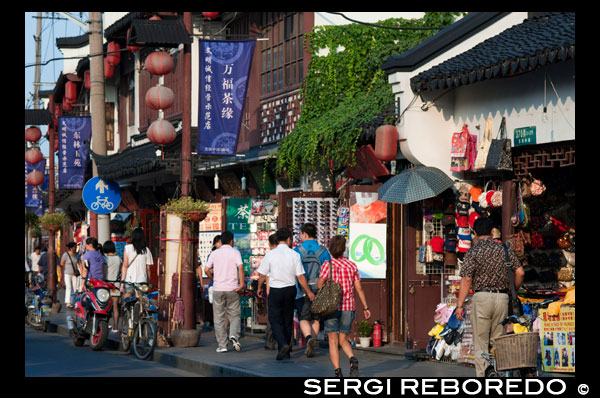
(339, 324)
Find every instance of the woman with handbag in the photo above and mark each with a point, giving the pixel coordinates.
(137, 260)
(70, 272)
(339, 324)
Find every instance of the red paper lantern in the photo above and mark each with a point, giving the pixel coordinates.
(113, 57)
(132, 48)
(161, 132)
(33, 156)
(155, 18)
(66, 105)
(160, 97)
(71, 91)
(159, 63)
(35, 178)
(109, 70)
(33, 134)
(210, 15)
(386, 142)
(86, 80)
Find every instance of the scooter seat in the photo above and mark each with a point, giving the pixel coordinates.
(130, 299)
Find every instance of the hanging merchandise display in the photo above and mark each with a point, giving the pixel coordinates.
(483, 148)
(322, 212)
(499, 155)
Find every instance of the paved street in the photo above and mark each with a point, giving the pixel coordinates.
(53, 355)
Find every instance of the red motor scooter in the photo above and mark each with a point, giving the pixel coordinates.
(93, 309)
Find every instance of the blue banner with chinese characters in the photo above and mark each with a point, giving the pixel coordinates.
(224, 71)
(73, 131)
(33, 195)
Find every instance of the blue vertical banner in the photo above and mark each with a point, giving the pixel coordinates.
(224, 72)
(73, 154)
(33, 195)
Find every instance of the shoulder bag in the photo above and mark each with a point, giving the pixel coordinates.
(327, 299)
(514, 304)
(483, 147)
(500, 155)
(74, 266)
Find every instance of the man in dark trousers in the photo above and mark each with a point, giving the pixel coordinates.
(283, 266)
(484, 270)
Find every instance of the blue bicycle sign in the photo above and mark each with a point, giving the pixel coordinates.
(101, 196)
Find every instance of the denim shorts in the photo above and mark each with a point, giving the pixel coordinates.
(339, 321)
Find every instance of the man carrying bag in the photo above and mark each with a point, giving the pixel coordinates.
(484, 269)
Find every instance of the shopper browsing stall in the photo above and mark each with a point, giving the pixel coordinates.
(484, 270)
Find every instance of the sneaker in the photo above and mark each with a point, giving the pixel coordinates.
(236, 344)
(310, 347)
(221, 349)
(283, 352)
(353, 367)
(338, 373)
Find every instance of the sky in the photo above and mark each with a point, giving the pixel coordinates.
(51, 30)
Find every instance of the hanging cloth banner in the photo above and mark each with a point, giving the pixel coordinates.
(73, 153)
(224, 71)
(33, 197)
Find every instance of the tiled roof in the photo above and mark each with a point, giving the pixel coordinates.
(73, 42)
(158, 33)
(37, 117)
(522, 48)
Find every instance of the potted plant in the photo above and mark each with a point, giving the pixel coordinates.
(187, 208)
(53, 221)
(365, 330)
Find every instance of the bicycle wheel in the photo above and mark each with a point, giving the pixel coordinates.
(144, 338)
(125, 341)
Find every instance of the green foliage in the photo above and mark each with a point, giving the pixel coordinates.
(365, 328)
(54, 219)
(31, 220)
(345, 89)
(184, 205)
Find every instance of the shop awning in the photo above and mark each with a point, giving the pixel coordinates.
(525, 47)
(37, 117)
(414, 184)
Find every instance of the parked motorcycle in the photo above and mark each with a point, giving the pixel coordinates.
(93, 309)
(38, 305)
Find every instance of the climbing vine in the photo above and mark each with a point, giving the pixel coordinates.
(346, 88)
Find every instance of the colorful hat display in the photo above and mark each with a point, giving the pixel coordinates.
(437, 244)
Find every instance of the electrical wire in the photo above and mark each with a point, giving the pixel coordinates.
(383, 26)
(558, 102)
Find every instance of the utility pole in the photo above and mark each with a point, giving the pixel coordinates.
(101, 222)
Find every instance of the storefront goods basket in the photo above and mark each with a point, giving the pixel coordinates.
(517, 350)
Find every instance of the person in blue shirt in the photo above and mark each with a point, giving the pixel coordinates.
(310, 248)
(95, 259)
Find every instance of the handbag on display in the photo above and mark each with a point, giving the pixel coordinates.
(483, 147)
(472, 152)
(514, 304)
(537, 187)
(500, 154)
(422, 250)
(459, 153)
(428, 252)
(327, 299)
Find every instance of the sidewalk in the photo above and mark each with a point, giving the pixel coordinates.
(255, 361)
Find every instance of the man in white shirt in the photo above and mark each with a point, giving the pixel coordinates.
(283, 266)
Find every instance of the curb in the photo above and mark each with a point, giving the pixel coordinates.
(160, 355)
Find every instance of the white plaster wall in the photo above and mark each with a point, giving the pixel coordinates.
(428, 133)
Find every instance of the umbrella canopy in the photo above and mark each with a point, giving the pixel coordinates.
(415, 184)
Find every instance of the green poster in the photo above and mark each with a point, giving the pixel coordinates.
(238, 214)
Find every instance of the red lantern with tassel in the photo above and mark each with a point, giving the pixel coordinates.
(130, 47)
(161, 132)
(87, 80)
(386, 142)
(160, 97)
(109, 70)
(159, 63)
(33, 156)
(33, 134)
(35, 178)
(66, 105)
(71, 91)
(113, 57)
(210, 15)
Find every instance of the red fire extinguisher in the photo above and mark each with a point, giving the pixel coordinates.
(377, 335)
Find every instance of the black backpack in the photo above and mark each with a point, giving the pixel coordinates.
(312, 266)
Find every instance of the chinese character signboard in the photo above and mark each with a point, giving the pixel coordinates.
(33, 195)
(557, 334)
(212, 222)
(73, 154)
(238, 222)
(524, 136)
(224, 70)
